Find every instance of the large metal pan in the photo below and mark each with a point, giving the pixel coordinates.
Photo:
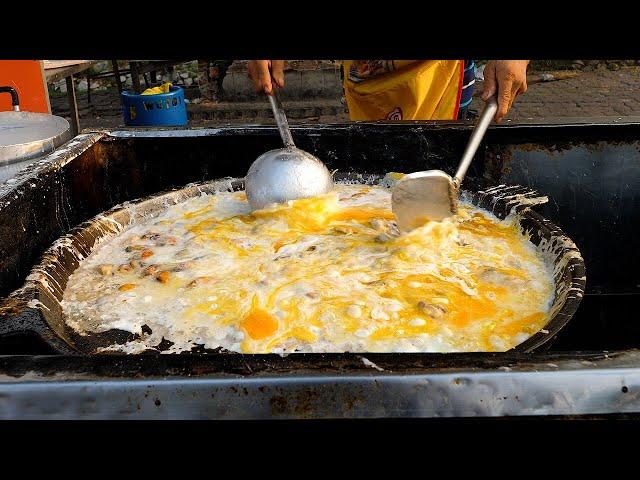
(36, 306)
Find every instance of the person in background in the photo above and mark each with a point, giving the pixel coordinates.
(211, 74)
(412, 89)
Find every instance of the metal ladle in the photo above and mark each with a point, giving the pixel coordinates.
(284, 174)
(433, 195)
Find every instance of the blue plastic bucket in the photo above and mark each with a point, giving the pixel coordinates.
(162, 109)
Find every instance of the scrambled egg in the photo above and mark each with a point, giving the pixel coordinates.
(324, 274)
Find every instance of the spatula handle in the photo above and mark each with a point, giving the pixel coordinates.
(489, 111)
(281, 118)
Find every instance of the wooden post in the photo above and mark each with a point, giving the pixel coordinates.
(116, 72)
(73, 106)
(88, 89)
(46, 87)
(135, 77)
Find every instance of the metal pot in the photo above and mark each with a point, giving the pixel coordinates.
(26, 136)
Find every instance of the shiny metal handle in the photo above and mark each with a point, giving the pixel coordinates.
(15, 102)
(477, 135)
(281, 118)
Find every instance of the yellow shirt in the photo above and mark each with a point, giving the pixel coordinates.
(403, 89)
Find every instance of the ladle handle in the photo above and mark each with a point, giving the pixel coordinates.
(489, 111)
(281, 118)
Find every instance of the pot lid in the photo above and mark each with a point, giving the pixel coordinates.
(25, 135)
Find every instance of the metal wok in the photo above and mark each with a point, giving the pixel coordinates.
(36, 306)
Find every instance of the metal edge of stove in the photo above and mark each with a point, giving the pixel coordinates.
(568, 388)
(202, 131)
(51, 161)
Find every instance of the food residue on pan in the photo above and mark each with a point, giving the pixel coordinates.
(324, 274)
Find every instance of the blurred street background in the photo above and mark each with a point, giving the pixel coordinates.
(313, 92)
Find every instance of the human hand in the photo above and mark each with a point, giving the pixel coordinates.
(264, 73)
(506, 79)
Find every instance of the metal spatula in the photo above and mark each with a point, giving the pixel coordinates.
(284, 174)
(433, 195)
